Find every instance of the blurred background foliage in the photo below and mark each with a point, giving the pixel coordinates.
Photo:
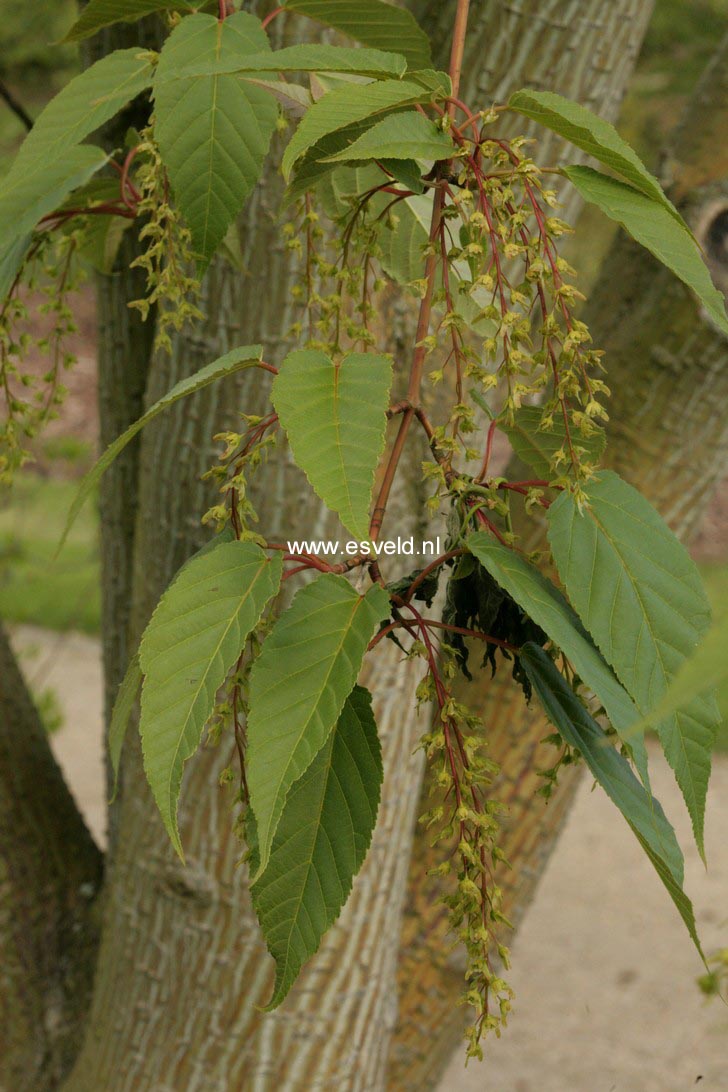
(33, 66)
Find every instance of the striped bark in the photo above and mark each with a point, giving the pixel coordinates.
(182, 969)
(667, 368)
(50, 879)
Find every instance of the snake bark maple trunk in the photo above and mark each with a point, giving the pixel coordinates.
(667, 368)
(50, 879)
(182, 969)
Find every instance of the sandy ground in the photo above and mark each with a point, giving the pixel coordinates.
(603, 971)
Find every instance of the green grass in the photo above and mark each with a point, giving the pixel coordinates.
(59, 595)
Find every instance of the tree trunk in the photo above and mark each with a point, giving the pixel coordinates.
(50, 878)
(182, 968)
(667, 369)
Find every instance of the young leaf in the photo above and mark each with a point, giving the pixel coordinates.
(536, 447)
(104, 13)
(346, 105)
(321, 842)
(375, 24)
(248, 356)
(26, 199)
(193, 639)
(639, 594)
(294, 98)
(655, 229)
(335, 419)
(548, 608)
(84, 104)
(213, 130)
(125, 698)
(298, 58)
(640, 809)
(593, 135)
(399, 136)
(298, 685)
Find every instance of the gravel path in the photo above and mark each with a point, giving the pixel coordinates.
(604, 973)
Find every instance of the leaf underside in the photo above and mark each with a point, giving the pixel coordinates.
(321, 841)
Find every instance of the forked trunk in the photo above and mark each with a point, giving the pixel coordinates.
(182, 970)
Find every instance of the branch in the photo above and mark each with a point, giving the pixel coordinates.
(15, 106)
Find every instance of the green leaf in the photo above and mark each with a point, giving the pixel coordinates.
(639, 594)
(248, 356)
(298, 685)
(84, 104)
(375, 24)
(292, 96)
(545, 604)
(536, 447)
(104, 13)
(298, 58)
(213, 130)
(406, 171)
(593, 135)
(402, 257)
(346, 105)
(125, 698)
(12, 256)
(26, 199)
(335, 419)
(700, 675)
(321, 842)
(132, 680)
(312, 170)
(655, 229)
(399, 136)
(640, 809)
(193, 640)
(102, 235)
(579, 729)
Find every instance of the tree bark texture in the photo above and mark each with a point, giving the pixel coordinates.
(181, 968)
(50, 878)
(667, 368)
